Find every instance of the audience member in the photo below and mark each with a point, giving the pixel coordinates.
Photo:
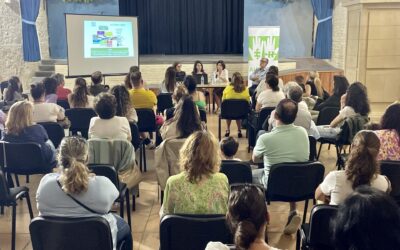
(50, 86)
(273, 70)
(124, 106)
(179, 92)
(106, 125)
(271, 96)
(179, 74)
(285, 143)
(80, 97)
(258, 75)
(340, 85)
(197, 96)
(367, 220)
(236, 90)
(220, 76)
(362, 168)
(62, 93)
(169, 83)
(57, 192)
(13, 92)
(140, 97)
(96, 87)
(299, 79)
(311, 85)
(229, 147)
(127, 80)
(200, 188)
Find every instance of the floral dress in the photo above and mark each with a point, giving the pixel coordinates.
(390, 147)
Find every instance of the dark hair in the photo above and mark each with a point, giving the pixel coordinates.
(50, 85)
(357, 98)
(299, 79)
(175, 64)
(273, 82)
(229, 146)
(247, 213)
(134, 69)
(391, 118)
(296, 94)
(135, 78)
(195, 69)
(127, 81)
(190, 84)
(340, 85)
(170, 79)
(274, 70)
(238, 83)
(187, 117)
(13, 86)
(222, 64)
(286, 111)
(121, 95)
(78, 97)
(37, 90)
(368, 219)
(105, 105)
(58, 77)
(96, 77)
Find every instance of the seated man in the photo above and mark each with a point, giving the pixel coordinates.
(285, 143)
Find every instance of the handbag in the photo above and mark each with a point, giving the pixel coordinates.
(131, 177)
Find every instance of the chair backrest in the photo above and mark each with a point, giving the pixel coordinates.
(182, 232)
(4, 190)
(391, 169)
(237, 171)
(135, 135)
(63, 103)
(49, 233)
(147, 120)
(320, 236)
(80, 119)
(326, 115)
(203, 115)
(294, 181)
(234, 109)
(263, 116)
(313, 148)
(106, 171)
(54, 131)
(164, 101)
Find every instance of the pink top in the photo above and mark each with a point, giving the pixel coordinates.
(390, 145)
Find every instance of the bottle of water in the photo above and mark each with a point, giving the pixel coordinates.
(202, 80)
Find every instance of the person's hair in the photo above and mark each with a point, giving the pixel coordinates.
(187, 117)
(299, 79)
(59, 78)
(19, 117)
(340, 85)
(135, 78)
(273, 82)
(105, 105)
(286, 111)
(238, 83)
(357, 98)
(13, 86)
(199, 156)
(295, 93)
(72, 156)
(122, 98)
(37, 90)
(314, 77)
(170, 79)
(190, 84)
(50, 85)
(79, 95)
(195, 69)
(362, 165)
(179, 92)
(96, 77)
(134, 69)
(127, 81)
(222, 64)
(391, 118)
(372, 126)
(274, 70)
(229, 146)
(368, 219)
(175, 64)
(247, 213)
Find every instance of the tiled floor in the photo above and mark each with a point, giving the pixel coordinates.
(145, 219)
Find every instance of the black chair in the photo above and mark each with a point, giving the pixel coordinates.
(89, 233)
(80, 120)
(9, 198)
(317, 234)
(164, 101)
(182, 232)
(54, 131)
(63, 103)
(293, 182)
(203, 115)
(109, 172)
(233, 109)
(313, 148)
(391, 169)
(146, 123)
(237, 171)
(256, 121)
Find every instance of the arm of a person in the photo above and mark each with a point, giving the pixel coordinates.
(335, 122)
(320, 196)
(343, 101)
(259, 150)
(254, 76)
(324, 190)
(308, 91)
(108, 193)
(60, 113)
(127, 129)
(224, 93)
(258, 106)
(133, 115)
(225, 76)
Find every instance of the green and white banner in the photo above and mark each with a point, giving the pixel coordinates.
(263, 42)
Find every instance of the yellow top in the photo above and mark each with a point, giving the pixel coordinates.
(142, 98)
(229, 93)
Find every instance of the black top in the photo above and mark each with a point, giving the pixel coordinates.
(332, 101)
(169, 113)
(314, 91)
(180, 76)
(97, 89)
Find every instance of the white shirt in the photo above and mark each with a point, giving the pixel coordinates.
(47, 112)
(269, 98)
(132, 115)
(303, 117)
(114, 128)
(169, 130)
(217, 80)
(263, 86)
(338, 187)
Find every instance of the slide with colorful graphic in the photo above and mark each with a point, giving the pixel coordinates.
(108, 39)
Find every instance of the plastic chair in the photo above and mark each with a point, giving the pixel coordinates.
(164, 101)
(293, 182)
(391, 169)
(313, 148)
(237, 171)
(54, 131)
(233, 109)
(80, 120)
(64, 104)
(146, 123)
(9, 198)
(256, 120)
(182, 232)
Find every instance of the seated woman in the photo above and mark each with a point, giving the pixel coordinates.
(272, 95)
(106, 125)
(13, 92)
(389, 134)
(362, 168)
(247, 219)
(314, 86)
(43, 111)
(200, 188)
(20, 128)
(169, 83)
(96, 87)
(198, 96)
(273, 70)
(198, 68)
(340, 85)
(185, 122)
(179, 92)
(80, 98)
(50, 86)
(219, 76)
(124, 107)
(236, 90)
(127, 81)
(57, 192)
(179, 74)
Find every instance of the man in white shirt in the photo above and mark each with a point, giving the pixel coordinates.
(258, 75)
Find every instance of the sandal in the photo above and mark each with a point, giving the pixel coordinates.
(227, 132)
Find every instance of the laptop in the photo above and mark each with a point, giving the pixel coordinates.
(197, 78)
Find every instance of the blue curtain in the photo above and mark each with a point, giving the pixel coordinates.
(323, 40)
(30, 41)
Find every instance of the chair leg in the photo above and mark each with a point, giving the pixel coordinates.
(219, 128)
(128, 208)
(162, 197)
(16, 180)
(140, 158)
(133, 202)
(27, 178)
(13, 222)
(305, 211)
(298, 240)
(144, 160)
(1, 209)
(121, 206)
(319, 151)
(28, 202)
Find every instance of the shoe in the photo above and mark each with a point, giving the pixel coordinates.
(227, 133)
(150, 146)
(294, 222)
(240, 134)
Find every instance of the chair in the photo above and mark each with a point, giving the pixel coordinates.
(293, 182)
(233, 109)
(80, 120)
(256, 120)
(316, 234)
(391, 169)
(203, 115)
(313, 148)
(9, 198)
(64, 104)
(182, 232)
(237, 171)
(164, 101)
(109, 172)
(54, 131)
(146, 123)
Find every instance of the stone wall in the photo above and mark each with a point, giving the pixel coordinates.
(339, 36)
(11, 37)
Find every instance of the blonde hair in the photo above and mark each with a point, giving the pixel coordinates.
(317, 81)
(19, 117)
(72, 157)
(199, 156)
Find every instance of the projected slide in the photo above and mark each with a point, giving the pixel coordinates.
(108, 39)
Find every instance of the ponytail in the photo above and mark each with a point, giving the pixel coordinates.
(246, 233)
(75, 178)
